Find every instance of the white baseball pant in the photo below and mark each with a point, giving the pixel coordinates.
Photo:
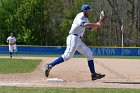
(75, 43)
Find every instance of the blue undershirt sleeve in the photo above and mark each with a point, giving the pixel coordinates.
(82, 23)
(89, 28)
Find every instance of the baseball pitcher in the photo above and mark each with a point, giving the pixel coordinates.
(75, 43)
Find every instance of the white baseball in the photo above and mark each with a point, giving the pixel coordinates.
(102, 14)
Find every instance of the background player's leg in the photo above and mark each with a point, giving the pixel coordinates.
(11, 53)
(15, 48)
(11, 50)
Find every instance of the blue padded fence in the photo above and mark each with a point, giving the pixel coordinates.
(60, 50)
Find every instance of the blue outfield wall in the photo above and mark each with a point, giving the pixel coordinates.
(60, 50)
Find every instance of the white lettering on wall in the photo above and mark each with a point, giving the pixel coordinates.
(104, 51)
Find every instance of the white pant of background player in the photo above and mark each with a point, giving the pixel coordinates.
(12, 48)
(75, 43)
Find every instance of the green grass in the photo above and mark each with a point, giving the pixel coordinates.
(65, 90)
(17, 65)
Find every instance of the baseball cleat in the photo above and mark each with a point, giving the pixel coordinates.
(97, 76)
(47, 69)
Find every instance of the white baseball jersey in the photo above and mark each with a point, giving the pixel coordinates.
(12, 48)
(74, 41)
(11, 39)
(78, 23)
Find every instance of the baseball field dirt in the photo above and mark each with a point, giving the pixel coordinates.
(120, 73)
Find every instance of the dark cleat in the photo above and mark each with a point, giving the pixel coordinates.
(47, 69)
(97, 76)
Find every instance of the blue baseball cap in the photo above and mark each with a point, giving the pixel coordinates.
(11, 33)
(86, 7)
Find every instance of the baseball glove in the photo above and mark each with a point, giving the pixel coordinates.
(11, 43)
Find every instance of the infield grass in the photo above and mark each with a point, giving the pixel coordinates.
(65, 90)
(17, 65)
